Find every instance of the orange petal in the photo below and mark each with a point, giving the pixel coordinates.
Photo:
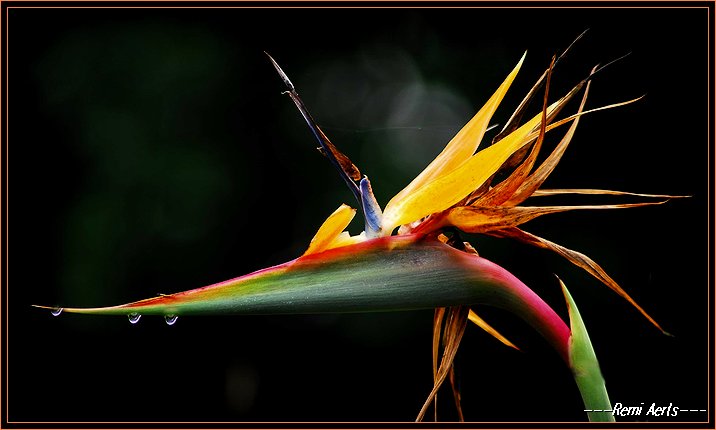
(472, 316)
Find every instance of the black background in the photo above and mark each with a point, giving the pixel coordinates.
(151, 151)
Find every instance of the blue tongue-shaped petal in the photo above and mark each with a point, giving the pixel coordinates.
(371, 210)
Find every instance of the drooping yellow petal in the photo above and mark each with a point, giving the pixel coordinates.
(481, 219)
(576, 258)
(331, 229)
(472, 316)
(449, 189)
(464, 144)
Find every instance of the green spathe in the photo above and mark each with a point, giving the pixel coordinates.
(585, 367)
(386, 274)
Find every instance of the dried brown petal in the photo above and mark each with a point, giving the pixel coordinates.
(457, 318)
(504, 190)
(474, 219)
(576, 258)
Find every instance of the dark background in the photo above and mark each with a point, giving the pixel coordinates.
(151, 151)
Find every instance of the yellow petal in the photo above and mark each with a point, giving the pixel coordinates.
(331, 229)
(465, 142)
(345, 239)
(447, 190)
(472, 316)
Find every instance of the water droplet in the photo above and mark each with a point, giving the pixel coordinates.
(56, 312)
(134, 317)
(170, 319)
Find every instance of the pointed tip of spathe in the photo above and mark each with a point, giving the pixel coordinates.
(575, 320)
(57, 310)
(44, 307)
(567, 296)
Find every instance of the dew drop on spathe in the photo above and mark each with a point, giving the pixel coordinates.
(134, 317)
(170, 319)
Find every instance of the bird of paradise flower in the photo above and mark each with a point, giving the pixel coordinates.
(425, 264)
